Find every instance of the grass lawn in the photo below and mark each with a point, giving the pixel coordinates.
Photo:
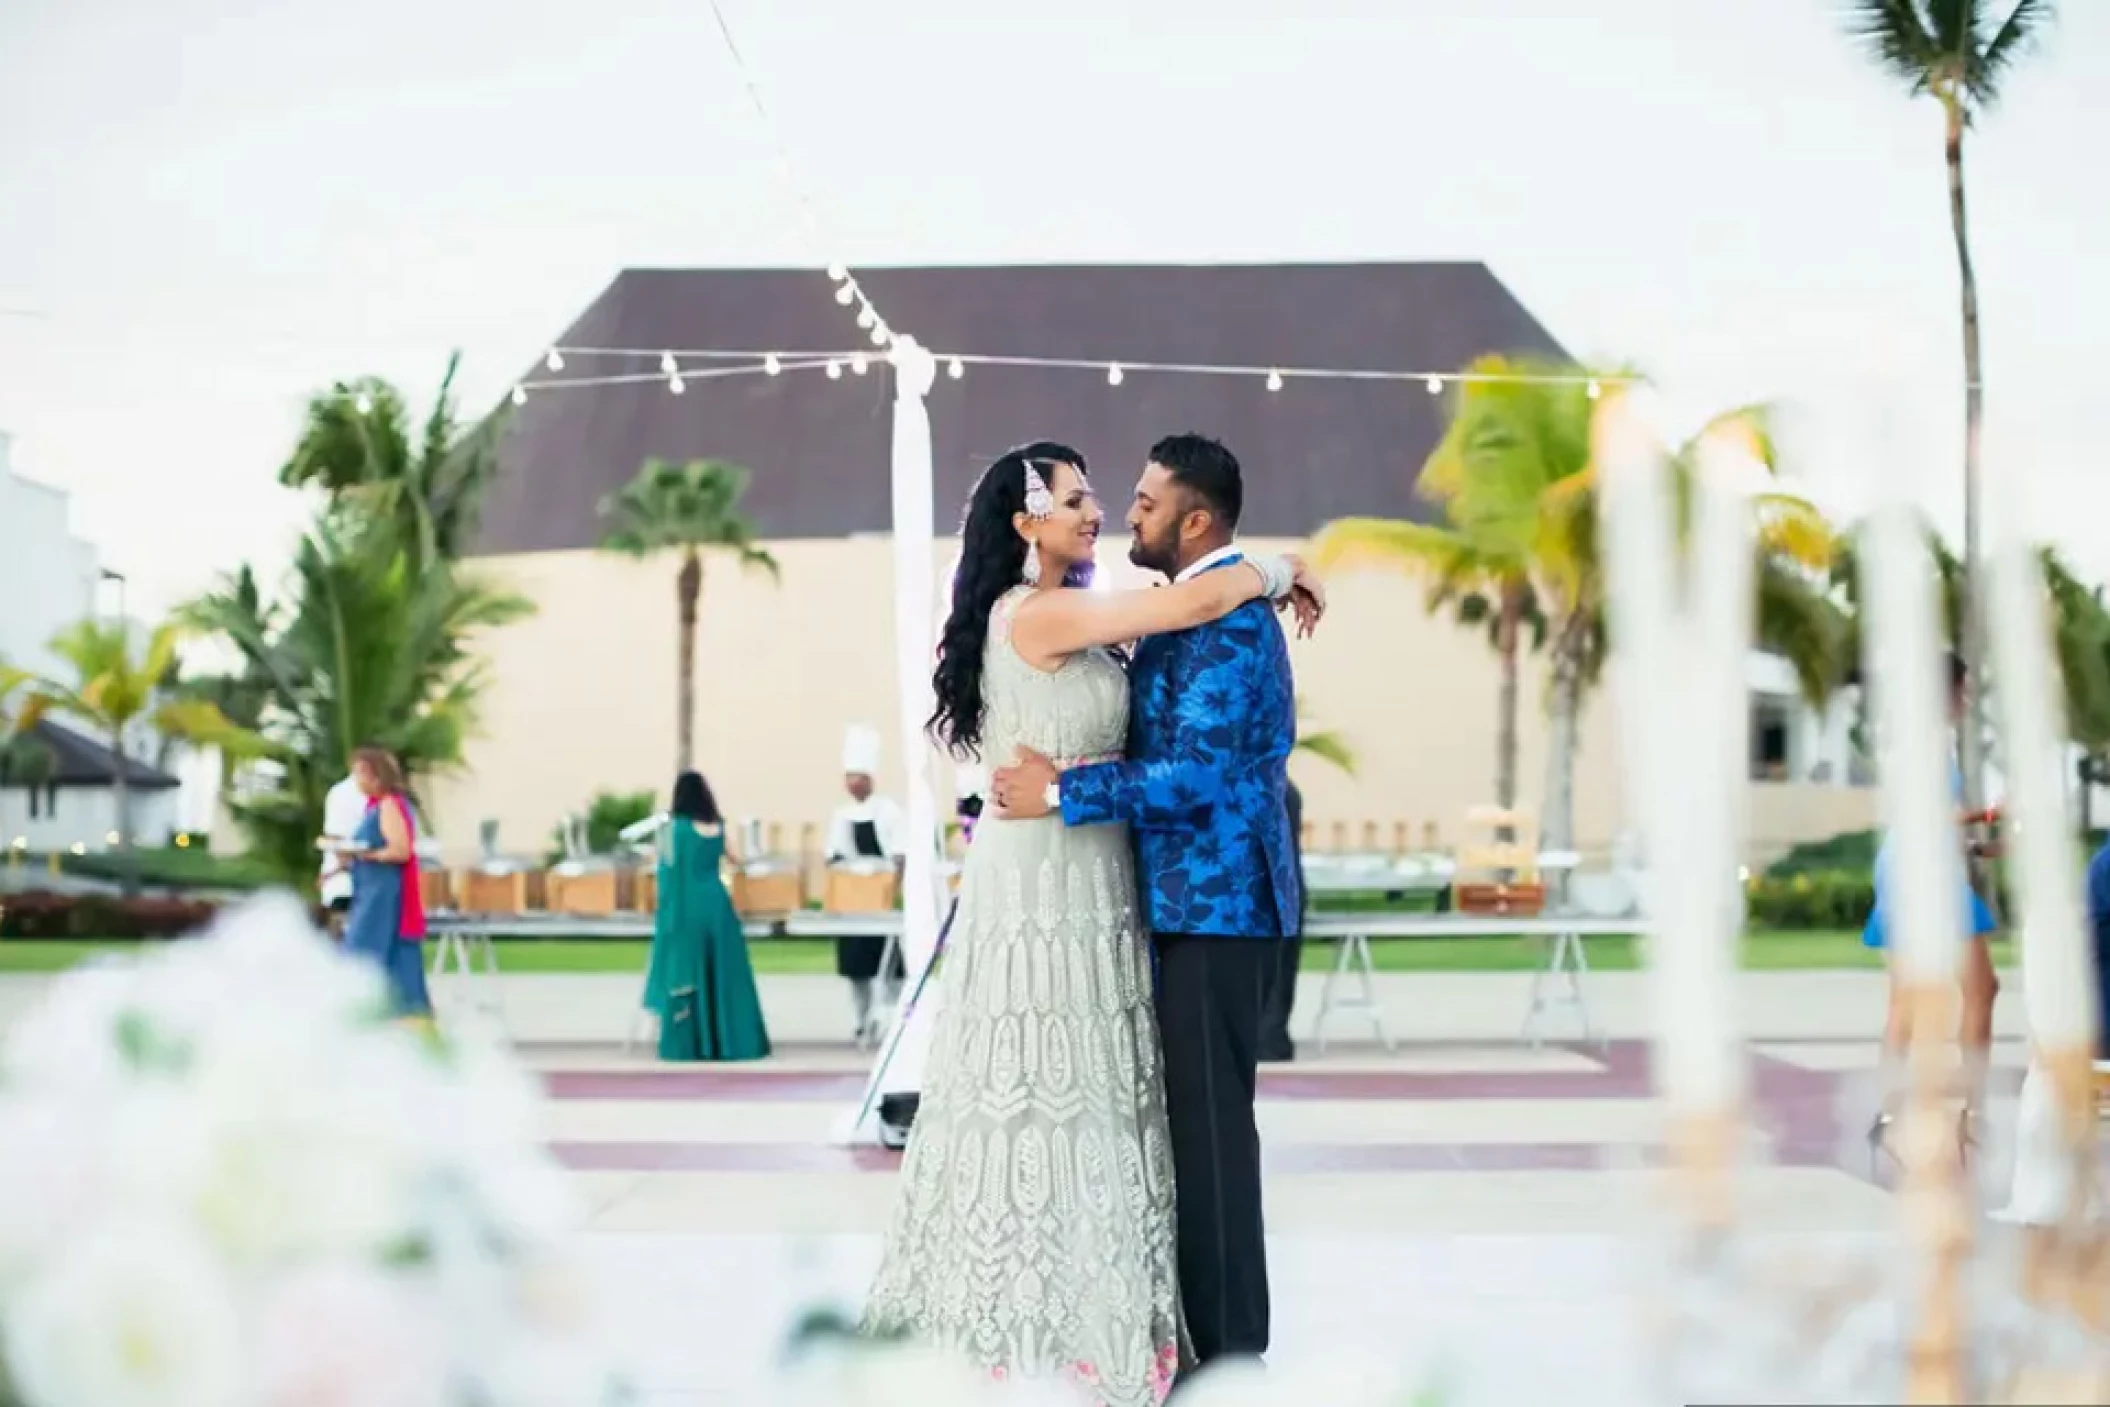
(1766, 951)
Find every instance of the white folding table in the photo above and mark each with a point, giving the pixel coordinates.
(1567, 964)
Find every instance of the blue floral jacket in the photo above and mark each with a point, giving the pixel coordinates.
(1212, 719)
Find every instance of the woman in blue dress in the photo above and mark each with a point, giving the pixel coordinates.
(700, 983)
(1981, 986)
(386, 923)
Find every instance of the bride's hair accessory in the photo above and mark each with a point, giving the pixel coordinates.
(1039, 502)
(1040, 505)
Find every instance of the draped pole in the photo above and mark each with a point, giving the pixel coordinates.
(899, 1068)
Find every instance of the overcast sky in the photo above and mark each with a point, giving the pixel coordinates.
(211, 207)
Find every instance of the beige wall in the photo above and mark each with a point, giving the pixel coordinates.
(583, 700)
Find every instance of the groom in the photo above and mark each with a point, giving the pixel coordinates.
(1211, 723)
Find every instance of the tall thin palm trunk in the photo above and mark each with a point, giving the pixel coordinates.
(1507, 630)
(1971, 744)
(688, 587)
(1564, 732)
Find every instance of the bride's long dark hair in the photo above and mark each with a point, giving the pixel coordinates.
(992, 561)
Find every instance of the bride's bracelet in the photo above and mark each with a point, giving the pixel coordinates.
(1277, 575)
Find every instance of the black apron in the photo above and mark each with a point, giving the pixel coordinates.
(858, 958)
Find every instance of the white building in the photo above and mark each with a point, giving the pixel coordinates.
(48, 577)
(48, 582)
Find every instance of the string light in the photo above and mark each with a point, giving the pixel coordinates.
(676, 384)
(775, 363)
(865, 317)
(838, 272)
(555, 360)
(520, 395)
(845, 293)
(363, 403)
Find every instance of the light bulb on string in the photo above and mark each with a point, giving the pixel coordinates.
(844, 294)
(858, 363)
(865, 316)
(363, 403)
(676, 385)
(1114, 374)
(520, 395)
(667, 365)
(956, 368)
(1593, 390)
(1435, 385)
(771, 366)
(555, 360)
(835, 371)
(1274, 381)
(880, 335)
(838, 272)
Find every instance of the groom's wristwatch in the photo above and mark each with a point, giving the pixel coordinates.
(1052, 797)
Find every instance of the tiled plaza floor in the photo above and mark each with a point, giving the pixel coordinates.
(1465, 1201)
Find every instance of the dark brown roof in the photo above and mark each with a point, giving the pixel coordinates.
(819, 448)
(78, 761)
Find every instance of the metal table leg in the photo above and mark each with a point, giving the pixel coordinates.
(1567, 964)
(1353, 957)
(469, 954)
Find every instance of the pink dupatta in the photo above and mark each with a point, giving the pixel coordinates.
(410, 923)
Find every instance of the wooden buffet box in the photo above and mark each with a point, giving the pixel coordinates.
(595, 892)
(436, 890)
(860, 892)
(768, 892)
(517, 893)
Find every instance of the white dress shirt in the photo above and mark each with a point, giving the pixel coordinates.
(343, 808)
(1208, 560)
(886, 819)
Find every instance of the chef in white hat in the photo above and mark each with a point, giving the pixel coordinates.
(869, 827)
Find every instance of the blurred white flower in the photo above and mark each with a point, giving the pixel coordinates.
(349, 1335)
(226, 1180)
(136, 1314)
(51, 1181)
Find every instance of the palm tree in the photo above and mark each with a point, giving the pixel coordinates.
(687, 508)
(359, 447)
(366, 648)
(1957, 52)
(1514, 478)
(1325, 744)
(114, 690)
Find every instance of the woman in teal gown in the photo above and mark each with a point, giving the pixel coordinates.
(700, 983)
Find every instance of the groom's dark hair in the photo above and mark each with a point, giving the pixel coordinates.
(1207, 470)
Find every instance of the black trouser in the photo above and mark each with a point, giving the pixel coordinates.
(1210, 992)
(1275, 1043)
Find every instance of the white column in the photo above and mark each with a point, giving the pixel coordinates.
(900, 1064)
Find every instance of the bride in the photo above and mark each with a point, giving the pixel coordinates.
(1033, 1230)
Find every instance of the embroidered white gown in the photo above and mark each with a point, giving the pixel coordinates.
(1033, 1228)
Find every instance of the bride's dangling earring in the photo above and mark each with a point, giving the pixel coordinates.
(1031, 573)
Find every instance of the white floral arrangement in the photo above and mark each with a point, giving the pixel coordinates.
(228, 1179)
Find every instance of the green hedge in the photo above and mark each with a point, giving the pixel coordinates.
(1832, 899)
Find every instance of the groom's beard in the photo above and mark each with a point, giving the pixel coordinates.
(1160, 557)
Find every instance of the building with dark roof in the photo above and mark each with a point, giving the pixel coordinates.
(1316, 450)
(57, 790)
